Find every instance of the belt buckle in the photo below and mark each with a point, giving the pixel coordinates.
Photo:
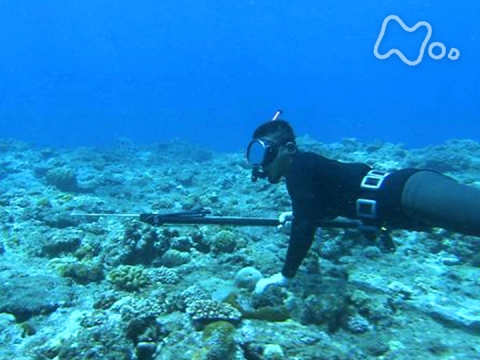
(374, 179)
(366, 208)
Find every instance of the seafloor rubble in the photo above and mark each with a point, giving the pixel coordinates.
(75, 287)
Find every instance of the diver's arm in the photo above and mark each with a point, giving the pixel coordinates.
(301, 239)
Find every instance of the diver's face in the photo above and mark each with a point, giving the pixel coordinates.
(278, 167)
(269, 160)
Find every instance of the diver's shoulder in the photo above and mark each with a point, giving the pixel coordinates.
(310, 157)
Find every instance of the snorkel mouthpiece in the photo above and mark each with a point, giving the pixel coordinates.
(257, 172)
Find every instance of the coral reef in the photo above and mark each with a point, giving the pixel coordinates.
(140, 244)
(224, 242)
(128, 278)
(57, 245)
(111, 287)
(163, 275)
(247, 277)
(83, 272)
(174, 258)
(219, 342)
(204, 312)
(62, 178)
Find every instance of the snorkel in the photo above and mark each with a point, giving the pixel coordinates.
(277, 115)
(261, 153)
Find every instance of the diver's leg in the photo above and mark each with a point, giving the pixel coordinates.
(442, 202)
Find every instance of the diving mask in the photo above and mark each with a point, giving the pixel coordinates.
(261, 153)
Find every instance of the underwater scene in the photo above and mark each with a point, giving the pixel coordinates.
(107, 287)
(242, 180)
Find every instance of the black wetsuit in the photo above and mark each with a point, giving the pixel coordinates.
(322, 188)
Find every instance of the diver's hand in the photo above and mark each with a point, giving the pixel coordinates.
(277, 279)
(285, 219)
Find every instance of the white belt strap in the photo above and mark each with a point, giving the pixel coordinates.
(367, 208)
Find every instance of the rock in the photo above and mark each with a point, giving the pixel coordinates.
(400, 290)
(174, 258)
(465, 316)
(357, 324)
(451, 260)
(26, 295)
(63, 179)
(11, 334)
(57, 245)
(372, 252)
(273, 352)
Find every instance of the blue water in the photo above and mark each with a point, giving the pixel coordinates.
(88, 72)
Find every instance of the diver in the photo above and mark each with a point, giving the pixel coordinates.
(322, 188)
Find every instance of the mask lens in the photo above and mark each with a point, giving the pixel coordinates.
(256, 152)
